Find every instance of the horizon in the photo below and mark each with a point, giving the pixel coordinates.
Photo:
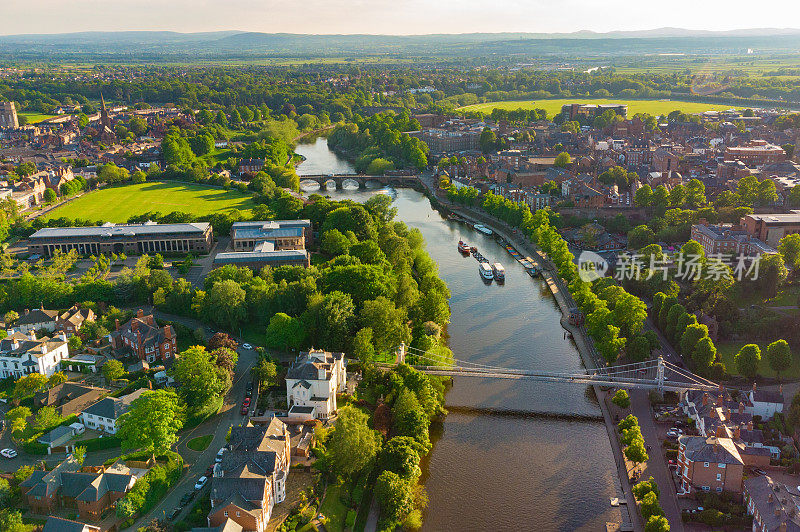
(383, 17)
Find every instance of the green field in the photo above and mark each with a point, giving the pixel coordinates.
(553, 107)
(117, 204)
(728, 350)
(34, 117)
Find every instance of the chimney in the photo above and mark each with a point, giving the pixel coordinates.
(27, 311)
(777, 511)
(116, 323)
(140, 313)
(770, 498)
(33, 335)
(62, 336)
(780, 389)
(719, 400)
(750, 425)
(737, 432)
(716, 445)
(705, 399)
(754, 386)
(741, 407)
(782, 527)
(720, 432)
(134, 324)
(168, 332)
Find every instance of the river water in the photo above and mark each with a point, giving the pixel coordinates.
(507, 456)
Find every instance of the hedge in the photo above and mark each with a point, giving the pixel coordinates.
(152, 487)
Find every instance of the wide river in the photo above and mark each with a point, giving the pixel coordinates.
(507, 456)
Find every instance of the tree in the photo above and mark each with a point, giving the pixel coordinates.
(265, 372)
(394, 495)
(18, 418)
(636, 453)
(284, 332)
(74, 343)
(388, 323)
(661, 199)
(644, 487)
(46, 418)
(789, 248)
(28, 385)
(353, 444)
(643, 196)
(221, 339)
(657, 523)
(11, 520)
(401, 455)
(621, 399)
(640, 236)
(11, 317)
(225, 304)
(113, 370)
(225, 358)
(704, 354)
(49, 195)
(363, 349)
(649, 506)
(152, 422)
(56, 379)
(779, 356)
(747, 360)
(334, 243)
(562, 160)
(79, 454)
(691, 336)
(198, 377)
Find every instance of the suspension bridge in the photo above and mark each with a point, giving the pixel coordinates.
(657, 374)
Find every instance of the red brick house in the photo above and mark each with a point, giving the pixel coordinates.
(71, 321)
(145, 338)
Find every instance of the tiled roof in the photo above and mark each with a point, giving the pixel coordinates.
(711, 449)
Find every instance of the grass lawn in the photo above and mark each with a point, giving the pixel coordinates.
(333, 509)
(34, 117)
(200, 443)
(728, 350)
(553, 107)
(117, 204)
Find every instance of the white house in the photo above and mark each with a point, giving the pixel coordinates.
(765, 403)
(104, 414)
(21, 354)
(314, 379)
(37, 320)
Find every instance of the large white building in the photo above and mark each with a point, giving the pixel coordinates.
(314, 380)
(21, 354)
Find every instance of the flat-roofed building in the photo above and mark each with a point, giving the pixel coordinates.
(755, 153)
(771, 228)
(131, 239)
(267, 243)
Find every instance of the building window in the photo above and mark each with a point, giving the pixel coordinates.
(705, 464)
(719, 477)
(225, 513)
(238, 513)
(719, 489)
(706, 488)
(721, 466)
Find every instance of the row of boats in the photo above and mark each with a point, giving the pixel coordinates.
(488, 271)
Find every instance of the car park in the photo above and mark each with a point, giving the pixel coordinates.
(200, 483)
(8, 453)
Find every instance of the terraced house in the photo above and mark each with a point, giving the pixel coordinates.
(251, 478)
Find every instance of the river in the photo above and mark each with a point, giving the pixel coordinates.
(507, 456)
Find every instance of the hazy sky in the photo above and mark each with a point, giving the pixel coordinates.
(391, 16)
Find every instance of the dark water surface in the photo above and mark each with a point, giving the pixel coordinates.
(490, 470)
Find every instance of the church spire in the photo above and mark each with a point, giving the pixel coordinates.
(102, 102)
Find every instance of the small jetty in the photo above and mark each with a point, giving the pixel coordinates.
(531, 267)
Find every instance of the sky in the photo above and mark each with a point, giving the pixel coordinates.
(391, 16)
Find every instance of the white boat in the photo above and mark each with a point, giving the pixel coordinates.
(483, 229)
(498, 271)
(485, 270)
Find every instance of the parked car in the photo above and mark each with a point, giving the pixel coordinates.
(221, 452)
(244, 410)
(187, 498)
(9, 453)
(250, 386)
(674, 433)
(248, 393)
(246, 401)
(175, 512)
(247, 346)
(201, 482)
(210, 470)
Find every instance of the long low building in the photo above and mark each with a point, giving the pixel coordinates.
(267, 243)
(264, 254)
(131, 239)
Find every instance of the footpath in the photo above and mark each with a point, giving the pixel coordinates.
(630, 516)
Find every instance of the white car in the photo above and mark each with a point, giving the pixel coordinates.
(247, 346)
(219, 455)
(201, 482)
(9, 453)
(674, 433)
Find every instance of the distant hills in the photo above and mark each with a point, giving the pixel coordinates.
(148, 44)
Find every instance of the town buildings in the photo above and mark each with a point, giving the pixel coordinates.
(145, 338)
(251, 478)
(267, 243)
(755, 153)
(104, 414)
(771, 228)
(728, 240)
(709, 464)
(774, 506)
(573, 111)
(22, 354)
(314, 379)
(131, 239)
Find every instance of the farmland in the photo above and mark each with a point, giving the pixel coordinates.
(553, 107)
(117, 204)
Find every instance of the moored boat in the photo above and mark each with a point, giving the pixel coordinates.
(483, 229)
(499, 272)
(463, 247)
(485, 271)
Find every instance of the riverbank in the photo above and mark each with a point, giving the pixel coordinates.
(585, 346)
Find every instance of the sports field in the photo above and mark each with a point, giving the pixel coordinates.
(117, 204)
(553, 107)
(34, 117)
